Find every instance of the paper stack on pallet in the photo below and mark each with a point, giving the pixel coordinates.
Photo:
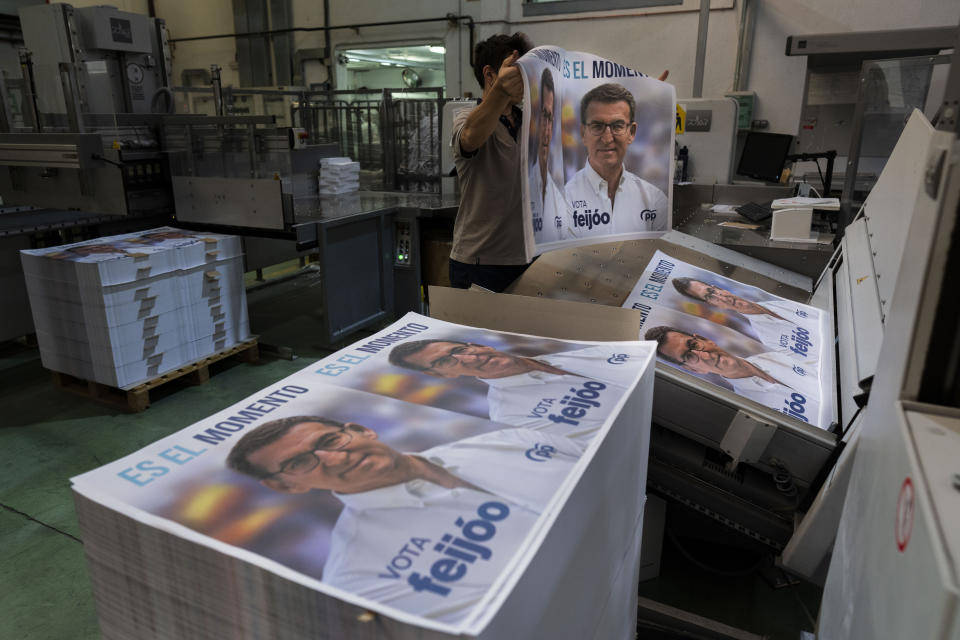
(363, 497)
(338, 175)
(123, 309)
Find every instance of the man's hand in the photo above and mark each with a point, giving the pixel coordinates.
(509, 81)
(506, 91)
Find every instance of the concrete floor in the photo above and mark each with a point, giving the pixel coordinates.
(47, 436)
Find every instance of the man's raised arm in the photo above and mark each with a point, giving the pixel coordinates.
(505, 90)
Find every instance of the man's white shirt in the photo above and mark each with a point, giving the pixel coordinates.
(794, 376)
(549, 206)
(638, 206)
(385, 536)
(775, 332)
(530, 399)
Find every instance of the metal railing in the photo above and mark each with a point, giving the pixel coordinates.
(395, 133)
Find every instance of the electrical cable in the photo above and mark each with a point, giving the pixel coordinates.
(822, 181)
(170, 102)
(97, 156)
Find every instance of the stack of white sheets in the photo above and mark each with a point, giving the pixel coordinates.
(338, 175)
(123, 309)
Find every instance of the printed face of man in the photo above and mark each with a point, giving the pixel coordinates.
(314, 455)
(723, 299)
(701, 355)
(605, 151)
(452, 359)
(546, 126)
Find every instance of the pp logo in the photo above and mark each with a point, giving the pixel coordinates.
(648, 214)
(557, 220)
(802, 313)
(540, 452)
(799, 370)
(618, 358)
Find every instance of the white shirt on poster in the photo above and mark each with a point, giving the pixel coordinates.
(773, 331)
(638, 206)
(793, 376)
(386, 541)
(530, 399)
(548, 207)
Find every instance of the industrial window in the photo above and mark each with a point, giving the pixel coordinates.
(401, 66)
(551, 7)
(265, 60)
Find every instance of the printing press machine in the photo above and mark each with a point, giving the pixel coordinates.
(768, 476)
(98, 151)
(765, 474)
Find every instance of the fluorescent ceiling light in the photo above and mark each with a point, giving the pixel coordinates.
(437, 49)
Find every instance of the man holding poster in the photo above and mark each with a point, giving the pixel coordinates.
(488, 241)
(605, 197)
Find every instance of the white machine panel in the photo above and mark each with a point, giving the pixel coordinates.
(893, 573)
(937, 439)
(108, 29)
(893, 204)
(899, 517)
(865, 299)
(710, 135)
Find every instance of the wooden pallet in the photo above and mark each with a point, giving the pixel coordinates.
(136, 399)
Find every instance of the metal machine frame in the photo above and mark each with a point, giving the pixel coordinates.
(848, 52)
(894, 566)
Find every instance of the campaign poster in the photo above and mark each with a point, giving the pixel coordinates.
(758, 345)
(404, 504)
(510, 378)
(597, 151)
(126, 245)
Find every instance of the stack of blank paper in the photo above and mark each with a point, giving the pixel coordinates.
(124, 309)
(338, 175)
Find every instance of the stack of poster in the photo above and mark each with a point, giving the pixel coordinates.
(431, 481)
(338, 175)
(597, 151)
(762, 347)
(123, 309)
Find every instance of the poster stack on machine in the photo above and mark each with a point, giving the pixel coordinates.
(123, 309)
(431, 481)
(760, 346)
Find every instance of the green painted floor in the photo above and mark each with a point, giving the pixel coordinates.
(47, 436)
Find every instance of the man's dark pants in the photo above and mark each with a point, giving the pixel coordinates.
(495, 277)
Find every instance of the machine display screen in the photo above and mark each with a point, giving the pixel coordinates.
(764, 155)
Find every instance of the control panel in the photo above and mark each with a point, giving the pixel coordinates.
(402, 240)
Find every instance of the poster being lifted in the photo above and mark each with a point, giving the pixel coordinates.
(597, 151)
(760, 346)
